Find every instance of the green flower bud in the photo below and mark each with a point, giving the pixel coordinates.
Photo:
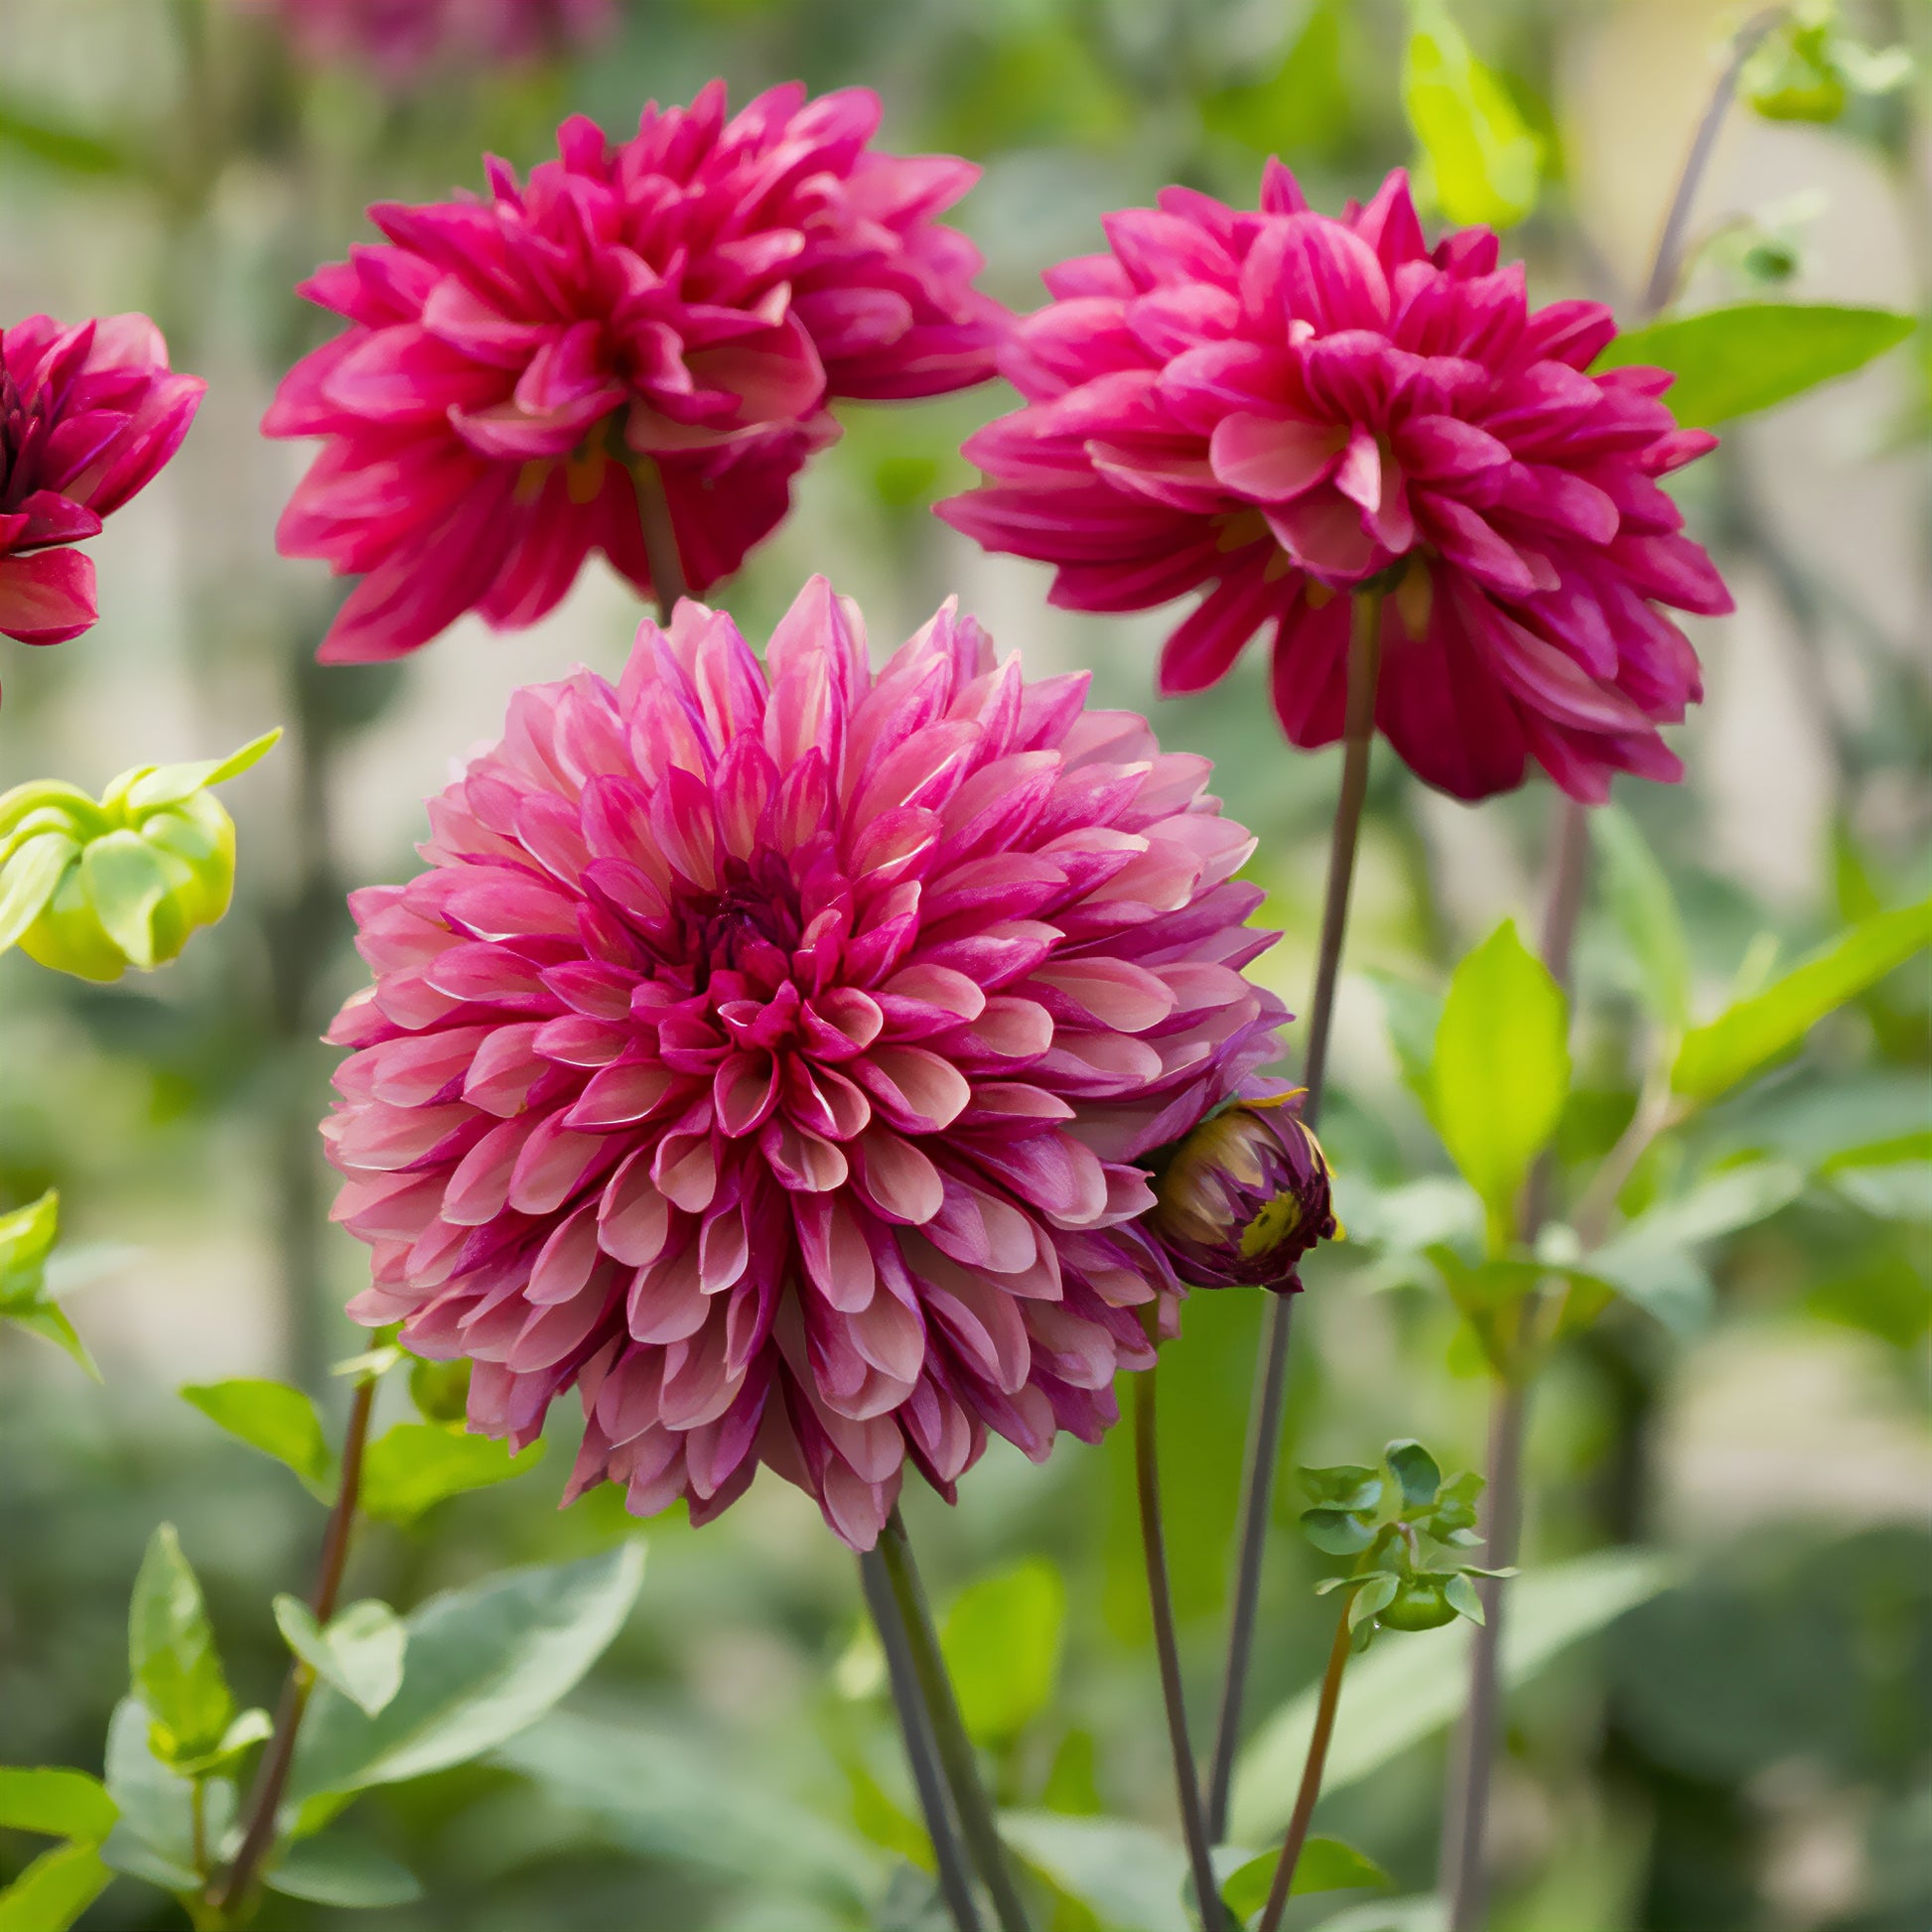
(1420, 1603)
(94, 887)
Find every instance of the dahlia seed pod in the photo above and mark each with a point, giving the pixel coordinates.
(1244, 1197)
(93, 887)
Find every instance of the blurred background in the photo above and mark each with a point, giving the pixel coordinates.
(1751, 1749)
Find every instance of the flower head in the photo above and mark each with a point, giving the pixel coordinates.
(673, 311)
(89, 416)
(402, 37)
(1280, 408)
(1244, 1196)
(769, 1049)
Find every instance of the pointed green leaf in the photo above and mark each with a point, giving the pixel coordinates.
(341, 1871)
(1002, 1644)
(28, 878)
(177, 1672)
(1416, 1471)
(1372, 1599)
(417, 1465)
(1501, 1069)
(1645, 910)
(26, 1240)
(1763, 1028)
(167, 785)
(51, 1324)
(1463, 1599)
(484, 1663)
(1326, 1865)
(153, 1838)
(123, 883)
(55, 1802)
(1734, 361)
(1481, 156)
(274, 1417)
(360, 1651)
(53, 1890)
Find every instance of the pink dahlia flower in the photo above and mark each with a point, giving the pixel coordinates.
(89, 416)
(401, 38)
(1280, 408)
(769, 1049)
(679, 306)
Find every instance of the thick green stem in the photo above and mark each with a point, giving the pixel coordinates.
(976, 1819)
(1271, 1376)
(1153, 1547)
(233, 1888)
(955, 1881)
(1313, 1767)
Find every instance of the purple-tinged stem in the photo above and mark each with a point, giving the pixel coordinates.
(1313, 1767)
(1271, 1382)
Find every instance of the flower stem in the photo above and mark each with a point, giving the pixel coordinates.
(955, 1883)
(661, 537)
(232, 1887)
(1271, 1380)
(1153, 1546)
(1316, 1761)
(976, 1822)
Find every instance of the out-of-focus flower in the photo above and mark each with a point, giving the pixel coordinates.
(768, 1049)
(669, 312)
(403, 38)
(1244, 1196)
(1282, 408)
(88, 418)
(92, 888)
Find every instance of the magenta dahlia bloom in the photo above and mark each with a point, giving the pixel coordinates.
(402, 37)
(769, 1049)
(1280, 408)
(89, 417)
(681, 306)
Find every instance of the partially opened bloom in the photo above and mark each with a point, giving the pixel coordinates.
(672, 311)
(403, 38)
(769, 1049)
(1277, 409)
(89, 416)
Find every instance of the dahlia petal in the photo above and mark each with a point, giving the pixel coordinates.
(47, 598)
(1273, 459)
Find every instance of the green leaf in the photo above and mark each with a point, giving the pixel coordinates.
(27, 877)
(1645, 910)
(73, 151)
(1344, 1486)
(153, 1838)
(1761, 1029)
(53, 1890)
(1755, 355)
(1326, 1865)
(1372, 1599)
(417, 1465)
(1337, 1532)
(883, 1822)
(168, 785)
(1412, 1013)
(1480, 155)
(26, 1240)
(484, 1663)
(1128, 1876)
(1303, 102)
(124, 884)
(176, 1671)
(1002, 1644)
(337, 1870)
(276, 1418)
(1501, 1069)
(57, 1802)
(1403, 1693)
(1463, 1599)
(361, 1652)
(1416, 1471)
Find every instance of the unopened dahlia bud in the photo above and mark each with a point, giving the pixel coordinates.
(1244, 1197)
(93, 887)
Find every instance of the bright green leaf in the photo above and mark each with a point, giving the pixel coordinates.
(1734, 361)
(343, 1871)
(1002, 1644)
(176, 1668)
(51, 1324)
(276, 1418)
(1416, 1471)
(167, 785)
(55, 1802)
(28, 875)
(1501, 1069)
(883, 1822)
(26, 1240)
(53, 1890)
(1479, 154)
(1645, 911)
(417, 1465)
(1763, 1028)
(1403, 1693)
(1326, 1865)
(360, 1651)
(484, 1663)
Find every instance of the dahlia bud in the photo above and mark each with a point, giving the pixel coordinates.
(92, 889)
(1244, 1197)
